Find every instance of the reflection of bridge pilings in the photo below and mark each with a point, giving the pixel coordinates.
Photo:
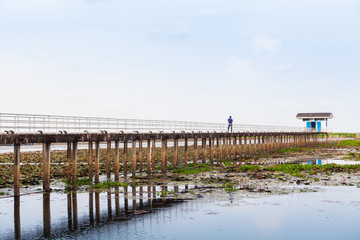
(46, 215)
(143, 200)
(72, 211)
(17, 225)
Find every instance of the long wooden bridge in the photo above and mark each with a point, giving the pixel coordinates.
(205, 147)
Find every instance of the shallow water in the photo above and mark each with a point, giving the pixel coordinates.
(328, 213)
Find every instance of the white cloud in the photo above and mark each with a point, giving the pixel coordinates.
(263, 43)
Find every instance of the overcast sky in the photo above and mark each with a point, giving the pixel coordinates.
(260, 61)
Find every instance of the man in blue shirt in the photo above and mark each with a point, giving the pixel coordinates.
(230, 121)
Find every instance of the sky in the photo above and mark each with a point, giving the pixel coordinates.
(261, 62)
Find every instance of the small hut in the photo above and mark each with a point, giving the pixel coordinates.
(315, 122)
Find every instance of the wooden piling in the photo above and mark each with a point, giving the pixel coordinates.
(74, 165)
(203, 147)
(97, 162)
(234, 147)
(176, 150)
(16, 169)
(153, 154)
(163, 155)
(186, 151)
(219, 142)
(141, 157)
(125, 150)
(69, 162)
(108, 159)
(195, 151)
(133, 161)
(148, 157)
(91, 163)
(116, 161)
(211, 149)
(46, 166)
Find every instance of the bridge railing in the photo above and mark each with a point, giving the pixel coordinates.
(29, 123)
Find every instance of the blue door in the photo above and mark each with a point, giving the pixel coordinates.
(308, 125)
(319, 126)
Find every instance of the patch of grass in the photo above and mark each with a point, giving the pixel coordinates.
(108, 185)
(348, 143)
(345, 135)
(300, 170)
(193, 168)
(79, 182)
(164, 193)
(2, 193)
(293, 150)
(246, 168)
(229, 187)
(228, 164)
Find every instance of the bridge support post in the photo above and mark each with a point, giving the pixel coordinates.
(226, 150)
(97, 162)
(90, 156)
(195, 151)
(46, 166)
(17, 170)
(245, 147)
(234, 149)
(74, 164)
(153, 154)
(163, 155)
(256, 140)
(186, 151)
(133, 160)
(125, 155)
(116, 161)
(211, 149)
(240, 147)
(141, 157)
(148, 157)
(219, 142)
(176, 152)
(108, 159)
(69, 161)
(203, 146)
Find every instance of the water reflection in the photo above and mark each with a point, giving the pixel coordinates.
(71, 213)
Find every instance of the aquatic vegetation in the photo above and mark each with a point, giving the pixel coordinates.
(79, 182)
(246, 168)
(2, 193)
(193, 168)
(344, 135)
(229, 187)
(348, 143)
(164, 193)
(293, 150)
(301, 170)
(108, 185)
(228, 164)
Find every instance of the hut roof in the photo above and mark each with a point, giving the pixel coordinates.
(314, 115)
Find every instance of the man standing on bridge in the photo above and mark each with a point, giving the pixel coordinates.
(230, 121)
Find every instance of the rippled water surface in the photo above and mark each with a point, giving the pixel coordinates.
(140, 213)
